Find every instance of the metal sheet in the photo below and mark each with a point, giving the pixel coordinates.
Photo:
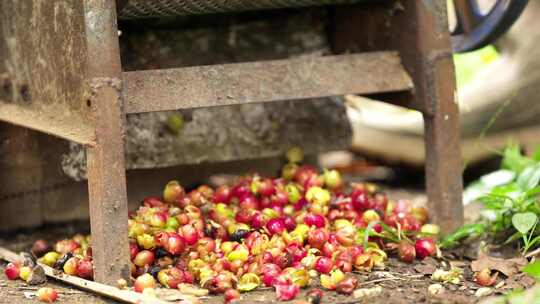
(150, 8)
(42, 56)
(300, 78)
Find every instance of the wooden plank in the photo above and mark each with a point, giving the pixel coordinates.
(105, 160)
(122, 295)
(299, 78)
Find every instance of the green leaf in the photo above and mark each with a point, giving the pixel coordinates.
(529, 245)
(514, 160)
(524, 222)
(368, 232)
(529, 178)
(466, 231)
(532, 193)
(536, 153)
(497, 202)
(506, 190)
(497, 178)
(514, 237)
(533, 269)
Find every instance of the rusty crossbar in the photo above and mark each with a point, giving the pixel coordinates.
(228, 84)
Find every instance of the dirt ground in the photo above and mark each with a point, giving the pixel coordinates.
(400, 282)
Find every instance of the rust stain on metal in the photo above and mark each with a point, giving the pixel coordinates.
(432, 59)
(443, 157)
(228, 84)
(438, 9)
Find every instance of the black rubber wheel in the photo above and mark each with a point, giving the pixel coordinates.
(475, 29)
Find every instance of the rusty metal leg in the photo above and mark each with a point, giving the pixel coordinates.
(106, 168)
(436, 91)
(419, 30)
(443, 156)
(433, 71)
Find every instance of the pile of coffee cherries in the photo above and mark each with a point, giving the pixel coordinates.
(305, 228)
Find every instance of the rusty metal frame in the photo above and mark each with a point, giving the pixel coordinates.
(82, 96)
(228, 84)
(419, 31)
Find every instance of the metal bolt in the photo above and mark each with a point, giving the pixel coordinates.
(6, 88)
(24, 90)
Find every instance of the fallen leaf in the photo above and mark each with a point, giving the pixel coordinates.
(28, 259)
(508, 267)
(520, 281)
(483, 292)
(367, 292)
(190, 289)
(192, 301)
(37, 276)
(172, 295)
(29, 295)
(435, 289)
(458, 264)
(453, 275)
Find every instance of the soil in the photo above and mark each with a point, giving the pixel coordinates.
(400, 282)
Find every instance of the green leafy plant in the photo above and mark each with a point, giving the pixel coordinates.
(533, 269)
(511, 209)
(525, 224)
(466, 231)
(388, 233)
